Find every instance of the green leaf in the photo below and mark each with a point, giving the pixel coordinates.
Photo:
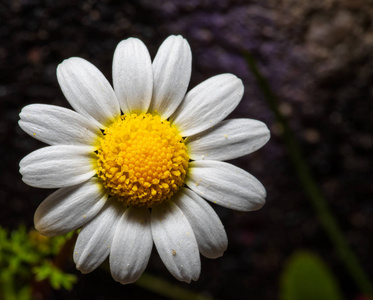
(306, 277)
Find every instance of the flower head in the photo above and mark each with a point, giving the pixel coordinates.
(134, 162)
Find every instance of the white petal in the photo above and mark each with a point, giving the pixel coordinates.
(57, 125)
(88, 91)
(208, 229)
(226, 185)
(69, 208)
(229, 139)
(175, 241)
(133, 76)
(172, 67)
(132, 245)
(208, 103)
(94, 240)
(58, 166)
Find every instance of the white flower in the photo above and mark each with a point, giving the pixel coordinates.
(134, 161)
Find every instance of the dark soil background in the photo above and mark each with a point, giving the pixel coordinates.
(318, 58)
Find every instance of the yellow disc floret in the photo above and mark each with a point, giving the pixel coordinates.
(142, 160)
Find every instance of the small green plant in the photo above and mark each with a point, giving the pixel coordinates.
(27, 257)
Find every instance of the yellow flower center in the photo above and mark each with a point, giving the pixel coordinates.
(142, 160)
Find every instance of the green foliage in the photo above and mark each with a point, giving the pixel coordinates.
(56, 276)
(26, 257)
(306, 277)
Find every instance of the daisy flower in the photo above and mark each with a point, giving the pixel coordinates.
(135, 162)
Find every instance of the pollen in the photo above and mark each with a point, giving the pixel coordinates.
(142, 160)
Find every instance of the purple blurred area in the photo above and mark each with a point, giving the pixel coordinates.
(316, 55)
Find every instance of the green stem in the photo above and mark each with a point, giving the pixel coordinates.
(310, 187)
(166, 289)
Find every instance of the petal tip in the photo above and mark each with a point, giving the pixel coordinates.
(43, 229)
(259, 203)
(80, 266)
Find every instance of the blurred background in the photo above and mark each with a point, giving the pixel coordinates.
(317, 59)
